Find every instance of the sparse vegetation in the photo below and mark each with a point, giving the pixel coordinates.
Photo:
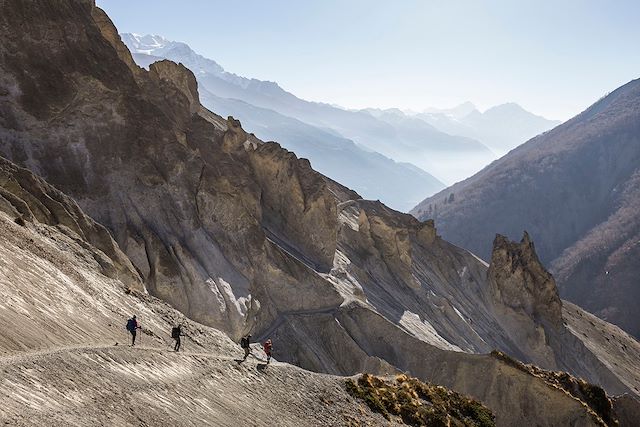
(417, 403)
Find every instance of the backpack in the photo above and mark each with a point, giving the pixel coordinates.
(244, 342)
(175, 332)
(131, 325)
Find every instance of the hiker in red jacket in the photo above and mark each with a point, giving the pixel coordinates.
(267, 349)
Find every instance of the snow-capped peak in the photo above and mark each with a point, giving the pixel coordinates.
(158, 46)
(146, 44)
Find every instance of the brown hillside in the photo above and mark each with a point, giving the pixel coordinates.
(576, 190)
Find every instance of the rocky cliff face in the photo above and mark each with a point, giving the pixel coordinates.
(30, 200)
(522, 291)
(191, 198)
(525, 301)
(243, 236)
(519, 282)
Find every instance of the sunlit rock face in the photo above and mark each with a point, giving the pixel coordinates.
(520, 282)
(522, 291)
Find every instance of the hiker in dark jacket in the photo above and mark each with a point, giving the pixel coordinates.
(245, 343)
(267, 346)
(176, 333)
(132, 327)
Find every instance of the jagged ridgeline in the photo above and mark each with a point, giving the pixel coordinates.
(241, 235)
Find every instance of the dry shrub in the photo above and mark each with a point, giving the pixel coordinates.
(417, 403)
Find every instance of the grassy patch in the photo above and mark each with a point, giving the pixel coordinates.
(418, 403)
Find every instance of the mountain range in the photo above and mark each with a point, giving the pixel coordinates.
(275, 114)
(576, 190)
(121, 194)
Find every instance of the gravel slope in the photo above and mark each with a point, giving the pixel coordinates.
(127, 386)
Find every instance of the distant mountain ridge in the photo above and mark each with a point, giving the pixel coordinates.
(456, 112)
(447, 157)
(576, 189)
(259, 105)
(501, 128)
(449, 144)
(372, 174)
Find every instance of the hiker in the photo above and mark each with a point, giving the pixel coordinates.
(267, 349)
(132, 326)
(176, 333)
(245, 343)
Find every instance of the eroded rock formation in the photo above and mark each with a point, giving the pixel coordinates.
(519, 282)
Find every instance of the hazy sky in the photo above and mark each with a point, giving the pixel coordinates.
(554, 57)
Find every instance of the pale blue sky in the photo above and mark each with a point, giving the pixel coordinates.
(554, 58)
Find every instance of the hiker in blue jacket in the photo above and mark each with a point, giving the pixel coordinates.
(132, 327)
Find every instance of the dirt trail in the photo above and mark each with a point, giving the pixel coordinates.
(38, 355)
(144, 386)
